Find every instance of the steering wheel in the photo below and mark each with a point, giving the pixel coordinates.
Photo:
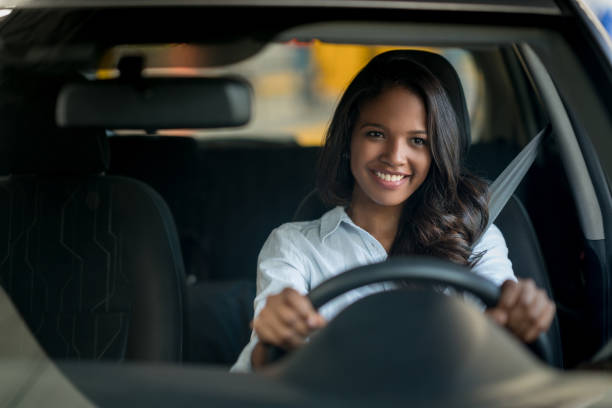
(417, 269)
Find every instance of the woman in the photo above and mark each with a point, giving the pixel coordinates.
(391, 164)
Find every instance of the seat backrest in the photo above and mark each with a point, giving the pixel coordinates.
(226, 196)
(92, 262)
(527, 260)
(220, 312)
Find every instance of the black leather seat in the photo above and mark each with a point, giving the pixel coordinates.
(191, 175)
(92, 262)
(527, 261)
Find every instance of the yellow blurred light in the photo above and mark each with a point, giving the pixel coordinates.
(107, 73)
(310, 135)
(337, 64)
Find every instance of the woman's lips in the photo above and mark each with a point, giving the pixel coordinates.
(389, 180)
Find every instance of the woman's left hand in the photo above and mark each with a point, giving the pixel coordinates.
(524, 309)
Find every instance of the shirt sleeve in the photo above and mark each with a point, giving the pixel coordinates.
(494, 264)
(281, 264)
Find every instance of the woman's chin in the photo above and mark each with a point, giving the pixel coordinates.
(383, 197)
(386, 201)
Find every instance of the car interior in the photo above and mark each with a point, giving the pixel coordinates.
(134, 223)
(275, 179)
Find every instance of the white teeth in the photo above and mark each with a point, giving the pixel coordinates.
(389, 177)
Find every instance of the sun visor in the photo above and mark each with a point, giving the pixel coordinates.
(156, 103)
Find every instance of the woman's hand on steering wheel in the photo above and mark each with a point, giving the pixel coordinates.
(518, 306)
(287, 320)
(523, 309)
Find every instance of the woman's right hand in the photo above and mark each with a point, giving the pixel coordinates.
(286, 320)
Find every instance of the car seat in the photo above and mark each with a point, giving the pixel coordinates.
(92, 262)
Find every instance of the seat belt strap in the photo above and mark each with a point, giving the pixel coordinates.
(507, 182)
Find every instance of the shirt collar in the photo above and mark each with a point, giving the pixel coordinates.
(330, 221)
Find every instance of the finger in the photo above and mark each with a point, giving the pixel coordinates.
(528, 293)
(534, 317)
(533, 301)
(531, 315)
(264, 332)
(536, 308)
(509, 295)
(500, 316)
(286, 336)
(529, 327)
(543, 323)
(519, 320)
(270, 325)
(291, 319)
(278, 334)
(321, 322)
(291, 340)
(301, 304)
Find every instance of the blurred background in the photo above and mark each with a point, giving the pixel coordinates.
(296, 85)
(603, 10)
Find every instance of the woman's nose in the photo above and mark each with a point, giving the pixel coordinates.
(395, 153)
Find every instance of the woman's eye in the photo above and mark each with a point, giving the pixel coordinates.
(419, 141)
(375, 134)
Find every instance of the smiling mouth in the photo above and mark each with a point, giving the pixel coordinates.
(389, 177)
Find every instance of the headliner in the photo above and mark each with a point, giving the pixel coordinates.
(516, 6)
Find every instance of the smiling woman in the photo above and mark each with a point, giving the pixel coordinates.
(392, 163)
(389, 148)
(228, 188)
(449, 211)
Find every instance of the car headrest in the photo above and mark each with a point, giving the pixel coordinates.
(30, 141)
(55, 153)
(155, 103)
(311, 207)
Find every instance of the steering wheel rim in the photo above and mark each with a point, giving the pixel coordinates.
(418, 269)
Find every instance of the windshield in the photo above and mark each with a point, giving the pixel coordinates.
(132, 252)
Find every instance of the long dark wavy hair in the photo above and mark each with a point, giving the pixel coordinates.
(447, 214)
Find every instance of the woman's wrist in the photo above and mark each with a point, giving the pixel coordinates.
(259, 356)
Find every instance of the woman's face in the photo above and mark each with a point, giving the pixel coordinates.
(390, 151)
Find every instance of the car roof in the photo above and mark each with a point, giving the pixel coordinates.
(511, 6)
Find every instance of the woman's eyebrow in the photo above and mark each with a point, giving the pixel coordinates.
(378, 125)
(371, 125)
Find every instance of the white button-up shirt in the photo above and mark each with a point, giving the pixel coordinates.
(301, 255)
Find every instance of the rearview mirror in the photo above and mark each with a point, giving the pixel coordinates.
(156, 103)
